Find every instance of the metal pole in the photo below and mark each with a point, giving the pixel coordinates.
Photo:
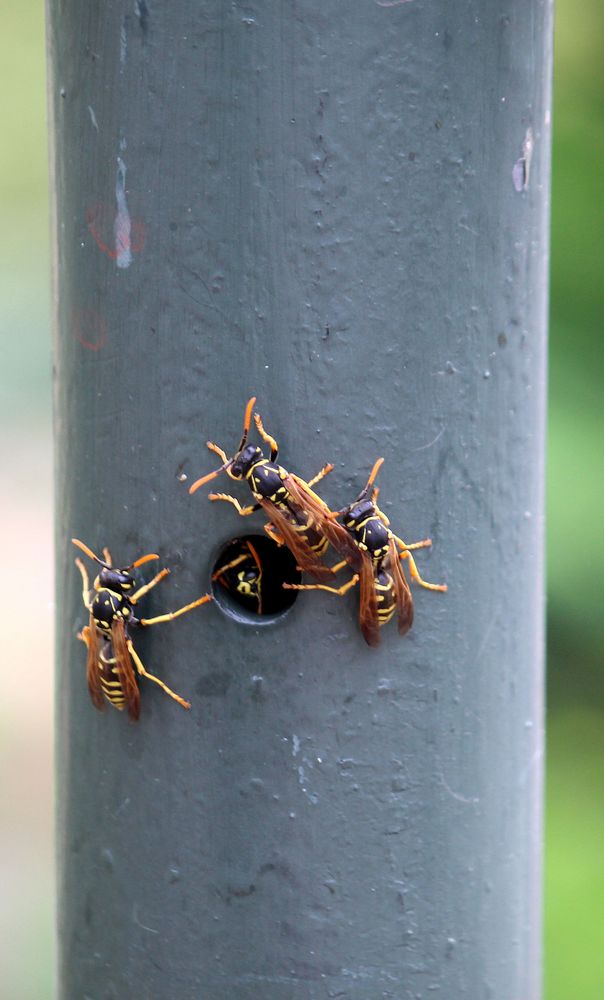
(341, 208)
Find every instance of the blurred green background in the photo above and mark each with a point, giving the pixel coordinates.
(574, 923)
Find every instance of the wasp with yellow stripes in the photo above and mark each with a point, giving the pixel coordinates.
(240, 572)
(285, 499)
(384, 590)
(113, 663)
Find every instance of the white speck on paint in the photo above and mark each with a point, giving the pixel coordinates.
(93, 117)
(122, 225)
(295, 746)
(522, 167)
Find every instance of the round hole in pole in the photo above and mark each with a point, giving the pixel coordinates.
(248, 577)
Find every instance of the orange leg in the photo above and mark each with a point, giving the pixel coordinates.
(340, 591)
(415, 574)
(144, 590)
(425, 542)
(151, 677)
(266, 437)
(243, 511)
(85, 584)
(171, 615)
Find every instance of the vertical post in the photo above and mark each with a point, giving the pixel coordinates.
(341, 208)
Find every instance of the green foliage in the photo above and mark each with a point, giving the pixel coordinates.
(574, 884)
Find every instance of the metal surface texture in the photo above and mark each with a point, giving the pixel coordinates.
(341, 208)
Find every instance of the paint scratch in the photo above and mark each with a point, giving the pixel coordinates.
(136, 920)
(432, 442)
(123, 43)
(122, 225)
(93, 117)
(142, 12)
(456, 795)
(522, 166)
(391, 3)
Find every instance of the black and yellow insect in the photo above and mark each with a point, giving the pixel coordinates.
(384, 590)
(284, 497)
(242, 574)
(112, 662)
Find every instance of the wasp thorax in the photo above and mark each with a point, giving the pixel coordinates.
(244, 461)
(118, 580)
(107, 606)
(247, 583)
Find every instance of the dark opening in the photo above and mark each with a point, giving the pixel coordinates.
(248, 578)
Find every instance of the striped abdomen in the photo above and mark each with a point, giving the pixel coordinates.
(386, 596)
(110, 678)
(301, 524)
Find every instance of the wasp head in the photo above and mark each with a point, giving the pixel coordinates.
(357, 513)
(120, 581)
(243, 461)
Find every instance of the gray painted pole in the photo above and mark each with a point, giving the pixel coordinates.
(341, 208)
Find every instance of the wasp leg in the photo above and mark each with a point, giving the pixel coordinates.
(415, 574)
(266, 437)
(306, 486)
(323, 472)
(380, 513)
(223, 569)
(107, 556)
(244, 511)
(84, 636)
(332, 569)
(144, 590)
(219, 451)
(151, 677)
(340, 591)
(85, 584)
(273, 534)
(425, 543)
(171, 615)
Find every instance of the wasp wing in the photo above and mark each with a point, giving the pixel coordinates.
(404, 600)
(125, 669)
(336, 533)
(368, 613)
(90, 636)
(303, 554)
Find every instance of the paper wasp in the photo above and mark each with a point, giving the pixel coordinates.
(242, 574)
(284, 497)
(384, 590)
(113, 663)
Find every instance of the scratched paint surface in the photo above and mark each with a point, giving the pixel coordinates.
(332, 225)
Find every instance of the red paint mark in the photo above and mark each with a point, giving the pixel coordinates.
(100, 220)
(89, 328)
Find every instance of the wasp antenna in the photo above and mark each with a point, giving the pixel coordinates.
(246, 422)
(87, 551)
(374, 472)
(143, 559)
(206, 479)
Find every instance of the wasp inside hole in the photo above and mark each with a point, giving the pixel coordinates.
(248, 577)
(113, 663)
